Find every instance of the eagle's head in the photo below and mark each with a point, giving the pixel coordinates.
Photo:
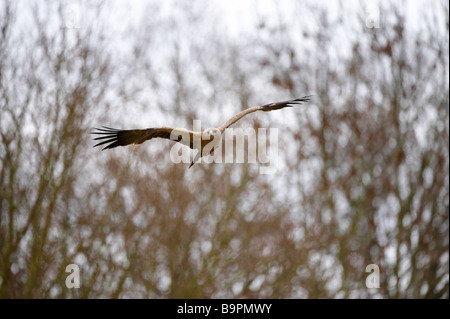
(211, 133)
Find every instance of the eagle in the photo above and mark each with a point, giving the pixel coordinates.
(195, 140)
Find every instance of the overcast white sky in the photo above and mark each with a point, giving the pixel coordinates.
(242, 15)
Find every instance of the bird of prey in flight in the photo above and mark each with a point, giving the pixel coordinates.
(114, 137)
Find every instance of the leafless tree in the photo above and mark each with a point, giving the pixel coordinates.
(362, 175)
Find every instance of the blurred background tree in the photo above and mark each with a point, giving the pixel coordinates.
(363, 172)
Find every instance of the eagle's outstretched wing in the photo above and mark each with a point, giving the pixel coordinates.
(114, 137)
(265, 108)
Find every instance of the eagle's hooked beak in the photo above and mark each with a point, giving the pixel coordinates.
(196, 158)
